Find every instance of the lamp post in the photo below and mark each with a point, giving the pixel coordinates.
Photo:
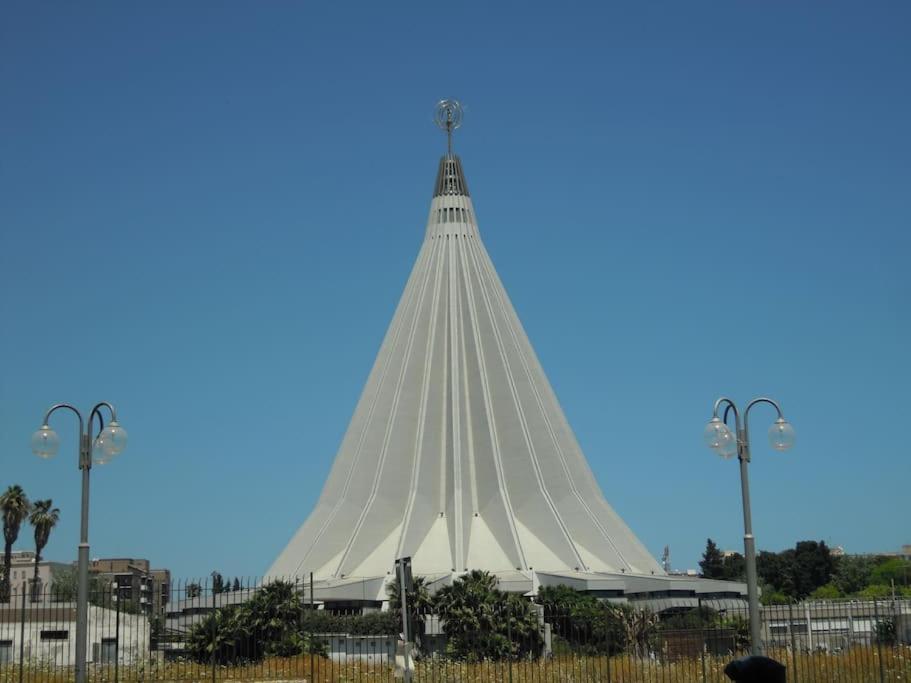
(109, 443)
(719, 438)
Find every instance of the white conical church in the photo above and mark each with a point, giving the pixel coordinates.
(458, 453)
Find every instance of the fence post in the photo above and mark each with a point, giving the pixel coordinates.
(509, 637)
(22, 639)
(793, 641)
(214, 631)
(607, 631)
(879, 642)
(312, 607)
(117, 644)
(702, 632)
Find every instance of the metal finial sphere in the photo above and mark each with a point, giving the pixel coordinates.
(448, 115)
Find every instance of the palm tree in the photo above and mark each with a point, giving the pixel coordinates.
(420, 603)
(43, 518)
(15, 507)
(483, 622)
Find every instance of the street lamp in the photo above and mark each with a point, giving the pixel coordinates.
(720, 439)
(110, 442)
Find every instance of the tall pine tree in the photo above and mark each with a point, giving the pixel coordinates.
(712, 563)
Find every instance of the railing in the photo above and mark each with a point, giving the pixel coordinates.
(244, 630)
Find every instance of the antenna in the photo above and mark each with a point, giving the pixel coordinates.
(448, 117)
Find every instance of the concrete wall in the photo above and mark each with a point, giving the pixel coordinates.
(50, 636)
(373, 649)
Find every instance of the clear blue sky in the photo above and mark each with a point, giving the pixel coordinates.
(208, 211)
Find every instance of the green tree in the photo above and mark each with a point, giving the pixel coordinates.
(218, 583)
(771, 596)
(65, 586)
(193, 590)
(43, 519)
(15, 507)
(734, 567)
(776, 571)
(814, 566)
(876, 591)
(893, 570)
(712, 563)
(852, 573)
(482, 622)
(272, 623)
(236, 586)
(828, 592)
(419, 604)
(586, 624)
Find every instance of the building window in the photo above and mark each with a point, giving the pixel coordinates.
(108, 650)
(55, 635)
(6, 651)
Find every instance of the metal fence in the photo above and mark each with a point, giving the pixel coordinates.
(239, 629)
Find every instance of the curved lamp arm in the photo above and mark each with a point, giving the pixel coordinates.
(756, 401)
(729, 406)
(58, 406)
(724, 401)
(96, 411)
(763, 399)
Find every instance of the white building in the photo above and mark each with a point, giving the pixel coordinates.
(458, 454)
(47, 634)
(22, 574)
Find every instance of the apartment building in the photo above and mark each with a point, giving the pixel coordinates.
(22, 573)
(133, 581)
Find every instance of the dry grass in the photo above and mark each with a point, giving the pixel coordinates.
(859, 665)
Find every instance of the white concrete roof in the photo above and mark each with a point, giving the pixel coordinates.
(458, 453)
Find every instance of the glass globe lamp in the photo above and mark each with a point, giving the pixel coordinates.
(719, 438)
(45, 442)
(781, 435)
(109, 444)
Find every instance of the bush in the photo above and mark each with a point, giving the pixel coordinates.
(274, 622)
(587, 625)
(582, 622)
(692, 619)
(482, 622)
(828, 592)
(876, 592)
(884, 631)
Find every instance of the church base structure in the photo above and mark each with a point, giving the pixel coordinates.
(658, 593)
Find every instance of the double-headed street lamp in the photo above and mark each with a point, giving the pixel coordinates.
(719, 438)
(109, 443)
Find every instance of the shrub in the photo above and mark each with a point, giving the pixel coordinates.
(482, 622)
(828, 592)
(274, 622)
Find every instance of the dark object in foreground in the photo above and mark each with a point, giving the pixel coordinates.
(755, 669)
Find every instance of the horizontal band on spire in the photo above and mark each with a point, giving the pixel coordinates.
(450, 178)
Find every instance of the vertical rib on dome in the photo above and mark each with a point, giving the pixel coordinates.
(450, 178)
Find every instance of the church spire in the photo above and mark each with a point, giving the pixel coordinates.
(450, 177)
(448, 117)
(458, 454)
